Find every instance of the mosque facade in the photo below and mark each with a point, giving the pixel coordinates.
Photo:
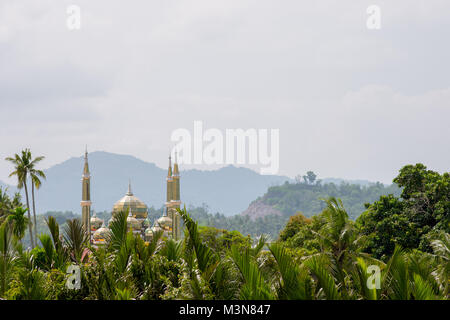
(137, 211)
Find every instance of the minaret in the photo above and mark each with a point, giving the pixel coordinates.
(175, 201)
(169, 180)
(86, 195)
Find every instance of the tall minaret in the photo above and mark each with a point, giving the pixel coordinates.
(169, 180)
(86, 195)
(175, 201)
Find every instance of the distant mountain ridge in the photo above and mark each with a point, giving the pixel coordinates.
(228, 190)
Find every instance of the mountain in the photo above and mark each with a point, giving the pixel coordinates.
(228, 190)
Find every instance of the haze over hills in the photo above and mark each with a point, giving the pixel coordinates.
(228, 190)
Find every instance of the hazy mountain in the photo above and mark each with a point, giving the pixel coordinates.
(228, 190)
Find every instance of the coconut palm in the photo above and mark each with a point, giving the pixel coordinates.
(21, 170)
(35, 175)
(25, 165)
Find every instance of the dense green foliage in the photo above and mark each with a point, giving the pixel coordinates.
(306, 196)
(217, 264)
(399, 248)
(412, 220)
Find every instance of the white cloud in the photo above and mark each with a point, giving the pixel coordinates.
(349, 102)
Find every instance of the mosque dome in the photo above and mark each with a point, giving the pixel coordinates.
(165, 222)
(148, 235)
(132, 222)
(96, 222)
(139, 209)
(156, 228)
(101, 234)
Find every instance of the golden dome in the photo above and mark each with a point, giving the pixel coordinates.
(138, 208)
(165, 222)
(101, 234)
(96, 222)
(132, 222)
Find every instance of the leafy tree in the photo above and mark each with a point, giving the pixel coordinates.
(295, 223)
(408, 221)
(310, 177)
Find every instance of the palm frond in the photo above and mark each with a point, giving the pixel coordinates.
(324, 278)
(255, 287)
(422, 289)
(76, 238)
(295, 284)
(118, 231)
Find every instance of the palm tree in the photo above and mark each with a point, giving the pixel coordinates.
(21, 164)
(19, 222)
(340, 247)
(24, 166)
(76, 239)
(35, 175)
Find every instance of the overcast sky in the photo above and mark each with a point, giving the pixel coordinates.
(349, 102)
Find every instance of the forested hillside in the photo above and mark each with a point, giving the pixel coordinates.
(306, 196)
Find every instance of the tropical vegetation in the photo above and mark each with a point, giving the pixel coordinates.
(398, 249)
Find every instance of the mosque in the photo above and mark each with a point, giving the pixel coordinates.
(137, 220)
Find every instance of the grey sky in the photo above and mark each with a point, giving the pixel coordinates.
(349, 102)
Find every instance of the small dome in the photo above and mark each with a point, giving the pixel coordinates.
(96, 222)
(138, 208)
(145, 224)
(165, 222)
(133, 222)
(101, 234)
